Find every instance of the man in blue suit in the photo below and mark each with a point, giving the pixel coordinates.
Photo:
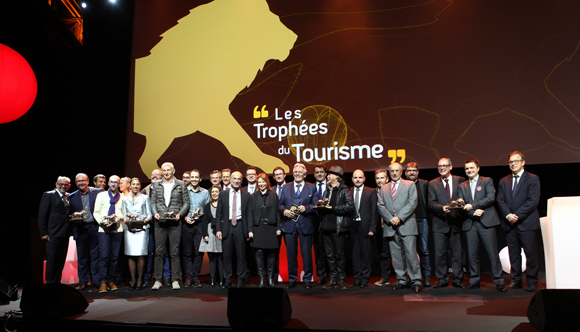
(518, 199)
(296, 204)
(85, 231)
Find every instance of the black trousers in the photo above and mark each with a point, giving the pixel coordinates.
(334, 246)
(234, 244)
(56, 250)
(361, 253)
(192, 258)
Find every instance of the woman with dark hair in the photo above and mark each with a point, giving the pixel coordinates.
(264, 228)
(136, 209)
(211, 244)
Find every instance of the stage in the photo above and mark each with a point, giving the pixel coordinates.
(371, 309)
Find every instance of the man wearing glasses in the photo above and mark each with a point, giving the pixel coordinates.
(53, 224)
(446, 224)
(518, 198)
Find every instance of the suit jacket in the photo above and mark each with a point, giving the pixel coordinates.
(422, 199)
(444, 222)
(308, 197)
(523, 203)
(484, 198)
(368, 210)
(53, 217)
(223, 222)
(403, 206)
(76, 203)
(179, 201)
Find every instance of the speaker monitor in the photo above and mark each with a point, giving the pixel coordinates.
(258, 308)
(555, 310)
(52, 300)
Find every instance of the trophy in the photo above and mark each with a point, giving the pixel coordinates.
(109, 221)
(77, 216)
(323, 204)
(134, 221)
(169, 215)
(198, 213)
(294, 209)
(458, 204)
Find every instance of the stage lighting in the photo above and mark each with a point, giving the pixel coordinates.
(84, 4)
(113, 1)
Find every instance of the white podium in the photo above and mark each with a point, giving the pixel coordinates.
(561, 234)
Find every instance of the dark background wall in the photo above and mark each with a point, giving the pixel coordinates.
(79, 120)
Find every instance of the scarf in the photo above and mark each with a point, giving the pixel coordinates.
(113, 200)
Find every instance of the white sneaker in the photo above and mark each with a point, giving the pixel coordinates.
(175, 285)
(157, 285)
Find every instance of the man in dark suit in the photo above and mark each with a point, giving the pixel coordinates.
(421, 215)
(318, 243)
(363, 227)
(296, 204)
(479, 195)
(232, 229)
(397, 202)
(85, 231)
(446, 224)
(251, 177)
(518, 199)
(54, 227)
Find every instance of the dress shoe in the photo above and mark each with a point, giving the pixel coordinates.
(196, 284)
(167, 282)
(514, 285)
(291, 284)
(226, 285)
(81, 287)
(132, 287)
(382, 282)
(458, 285)
(501, 288)
(441, 285)
(112, 286)
(321, 281)
(364, 284)
(472, 286)
(427, 281)
(400, 286)
(240, 284)
(187, 284)
(330, 285)
(531, 288)
(356, 284)
(156, 285)
(416, 288)
(342, 285)
(146, 283)
(212, 282)
(308, 285)
(103, 288)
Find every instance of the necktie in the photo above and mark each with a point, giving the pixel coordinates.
(65, 200)
(357, 202)
(298, 190)
(279, 190)
(447, 189)
(234, 210)
(320, 190)
(394, 189)
(472, 184)
(515, 184)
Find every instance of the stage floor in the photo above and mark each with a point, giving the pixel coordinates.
(371, 309)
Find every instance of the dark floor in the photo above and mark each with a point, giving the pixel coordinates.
(371, 309)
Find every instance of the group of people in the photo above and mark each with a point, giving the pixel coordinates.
(171, 223)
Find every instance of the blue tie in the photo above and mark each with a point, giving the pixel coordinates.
(320, 190)
(298, 190)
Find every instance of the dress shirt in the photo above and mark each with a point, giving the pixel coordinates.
(251, 188)
(449, 183)
(357, 203)
(472, 185)
(520, 173)
(238, 204)
(198, 198)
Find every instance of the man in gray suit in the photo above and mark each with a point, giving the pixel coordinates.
(397, 203)
(479, 194)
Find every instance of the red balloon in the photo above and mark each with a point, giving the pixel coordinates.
(17, 85)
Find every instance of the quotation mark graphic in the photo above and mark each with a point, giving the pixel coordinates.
(393, 154)
(263, 113)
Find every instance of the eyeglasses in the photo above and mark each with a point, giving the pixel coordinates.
(63, 184)
(514, 162)
(443, 166)
(114, 182)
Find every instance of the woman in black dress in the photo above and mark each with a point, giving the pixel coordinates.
(264, 228)
(211, 244)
